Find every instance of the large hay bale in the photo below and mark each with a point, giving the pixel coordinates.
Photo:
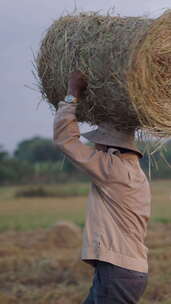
(120, 57)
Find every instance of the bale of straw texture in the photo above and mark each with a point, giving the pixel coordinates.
(113, 52)
(149, 77)
(65, 234)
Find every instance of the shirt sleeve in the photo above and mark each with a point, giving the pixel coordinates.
(98, 165)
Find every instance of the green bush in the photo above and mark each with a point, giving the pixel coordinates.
(53, 191)
(13, 171)
(34, 191)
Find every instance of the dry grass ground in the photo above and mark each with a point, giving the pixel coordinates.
(36, 268)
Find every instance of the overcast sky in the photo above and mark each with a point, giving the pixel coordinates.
(22, 24)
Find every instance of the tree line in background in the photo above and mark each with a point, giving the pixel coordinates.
(37, 161)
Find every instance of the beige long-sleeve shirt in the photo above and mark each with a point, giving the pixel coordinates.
(119, 202)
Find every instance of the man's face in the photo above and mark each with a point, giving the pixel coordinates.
(100, 147)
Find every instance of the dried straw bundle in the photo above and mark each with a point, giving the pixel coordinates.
(149, 77)
(114, 53)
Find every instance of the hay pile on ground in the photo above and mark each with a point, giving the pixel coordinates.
(126, 61)
(64, 234)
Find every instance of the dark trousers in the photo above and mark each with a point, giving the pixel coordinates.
(116, 285)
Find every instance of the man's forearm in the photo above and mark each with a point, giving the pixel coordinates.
(77, 84)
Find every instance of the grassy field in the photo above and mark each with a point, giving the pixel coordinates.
(24, 213)
(66, 202)
(35, 268)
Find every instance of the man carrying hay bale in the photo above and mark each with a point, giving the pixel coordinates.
(127, 61)
(118, 208)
